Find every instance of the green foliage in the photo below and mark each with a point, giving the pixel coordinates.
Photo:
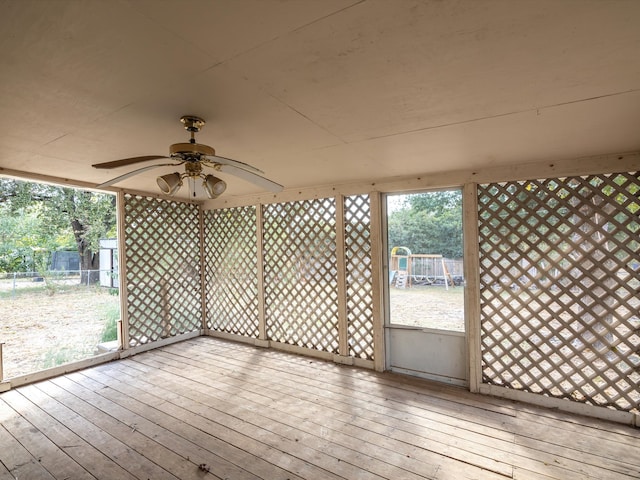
(36, 219)
(58, 356)
(428, 223)
(110, 331)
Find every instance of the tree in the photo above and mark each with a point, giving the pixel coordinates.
(49, 217)
(428, 223)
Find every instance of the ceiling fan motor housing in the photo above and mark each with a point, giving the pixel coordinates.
(188, 151)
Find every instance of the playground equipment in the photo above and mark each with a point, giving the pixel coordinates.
(406, 268)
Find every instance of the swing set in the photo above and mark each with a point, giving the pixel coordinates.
(407, 269)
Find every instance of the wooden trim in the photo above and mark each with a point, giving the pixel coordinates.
(472, 289)
(262, 317)
(377, 275)
(364, 363)
(38, 177)
(238, 338)
(60, 370)
(616, 162)
(343, 330)
(122, 271)
(603, 413)
(307, 352)
(160, 343)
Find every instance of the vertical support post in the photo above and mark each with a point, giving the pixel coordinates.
(472, 289)
(445, 274)
(122, 271)
(343, 327)
(203, 264)
(262, 318)
(378, 258)
(1, 365)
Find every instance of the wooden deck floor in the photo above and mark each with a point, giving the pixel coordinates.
(206, 408)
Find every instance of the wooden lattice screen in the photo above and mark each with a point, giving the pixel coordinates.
(231, 270)
(300, 271)
(357, 213)
(162, 240)
(560, 270)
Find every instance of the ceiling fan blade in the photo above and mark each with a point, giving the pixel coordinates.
(127, 161)
(251, 177)
(135, 172)
(233, 163)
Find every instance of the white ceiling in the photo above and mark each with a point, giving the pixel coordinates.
(316, 92)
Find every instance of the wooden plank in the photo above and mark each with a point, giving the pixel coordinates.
(265, 460)
(378, 276)
(48, 455)
(203, 283)
(397, 382)
(17, 461)
(472, 288)
(251, 413)
(547, 456)
(307, 372)
(412, 454)
(262, 322)
(122, 271)
(185, 440)
(55, 427)
(395, 433)
(343, 331)
(136, 463)
(155, 443)
(257, 428)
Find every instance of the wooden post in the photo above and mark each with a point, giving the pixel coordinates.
(377, 274)
(343, 327)
(262, 318)
(472, 289)
(203, 263)
(122, 272)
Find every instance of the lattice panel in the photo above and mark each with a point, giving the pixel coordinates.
(162, 240)
(301, 294)
(560, 276)
(357, 214)
(231, 272)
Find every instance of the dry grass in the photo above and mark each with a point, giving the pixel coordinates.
(428, 307)
(42, 329)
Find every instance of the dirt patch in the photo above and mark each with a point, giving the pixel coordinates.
(41, 330)
(428, 307)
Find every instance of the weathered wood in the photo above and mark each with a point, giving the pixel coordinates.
(249, 413)
(122, 272)
(522, 429)
(169, 451)
(378, 276)
(472, 289)
(44, 451)
(55, 428)
(373, 450)
(343, 332)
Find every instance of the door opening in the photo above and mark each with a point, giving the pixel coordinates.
(425, 291)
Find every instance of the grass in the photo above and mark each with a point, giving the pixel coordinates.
(111, 315)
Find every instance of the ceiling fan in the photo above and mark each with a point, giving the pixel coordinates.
(194, 156)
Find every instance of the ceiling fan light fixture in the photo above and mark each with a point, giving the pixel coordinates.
(214, 186)
(169, 183)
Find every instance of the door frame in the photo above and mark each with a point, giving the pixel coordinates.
(438, 341)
